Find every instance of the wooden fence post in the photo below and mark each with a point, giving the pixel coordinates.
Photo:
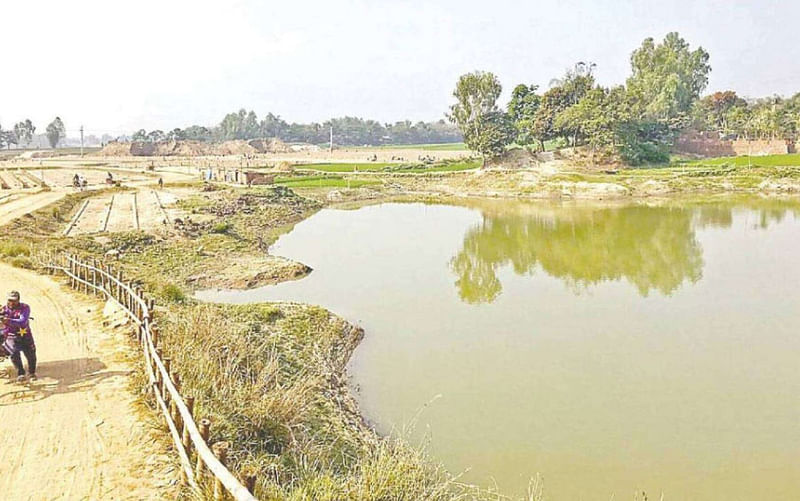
(205, 430)
(187, 439)
(156, 371)
(220, 450)
(250, 483)
(167, 365)
(119, 286)
(95, 291)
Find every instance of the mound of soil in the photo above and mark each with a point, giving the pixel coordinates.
(271, 145)
(194, 148)
(115, 149)
(237, 147)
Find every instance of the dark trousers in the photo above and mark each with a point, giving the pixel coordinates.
(29, 349)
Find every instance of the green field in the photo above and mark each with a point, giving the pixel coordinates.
(446, 167)
(389, 167)
(346, 167)
(790, 160)
(324, 182)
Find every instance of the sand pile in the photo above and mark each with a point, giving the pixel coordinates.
(271, 145)
(195, 148)
(237, 147)
(115, 149)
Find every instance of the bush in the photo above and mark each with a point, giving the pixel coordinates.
(14, 249)
(638, 153)
(22, 262)
(172, 293)
(223, 227)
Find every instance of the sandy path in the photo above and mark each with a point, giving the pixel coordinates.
(28, 203)
(72, 434)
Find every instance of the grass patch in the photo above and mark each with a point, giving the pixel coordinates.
(789, 160)
(346, 167)
(454, 166)
(325, 182)
(222, 227)
(14, 249)
(22, 262)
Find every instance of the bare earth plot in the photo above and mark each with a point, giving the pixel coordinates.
(73, 434)
(141, 210)
(10, 180)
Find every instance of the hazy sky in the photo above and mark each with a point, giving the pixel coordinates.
(119, 66)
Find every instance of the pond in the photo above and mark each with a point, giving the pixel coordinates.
(607, 348)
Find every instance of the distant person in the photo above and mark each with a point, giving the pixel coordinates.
(17, 335)
(76, 181)
(160, 183)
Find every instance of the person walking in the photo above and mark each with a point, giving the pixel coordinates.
(17, 335)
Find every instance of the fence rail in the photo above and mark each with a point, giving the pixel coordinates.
(189, 438)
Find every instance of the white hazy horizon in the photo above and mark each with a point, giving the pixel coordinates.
(116, 67)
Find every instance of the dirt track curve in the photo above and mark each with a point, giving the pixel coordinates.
(73, 434)
(16, 205)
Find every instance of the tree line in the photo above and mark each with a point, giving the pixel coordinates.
(246, 125)
(22, 133)
(638, 121)
(731, 116)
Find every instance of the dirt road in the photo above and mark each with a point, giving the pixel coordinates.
(73, 433)
(19, 204)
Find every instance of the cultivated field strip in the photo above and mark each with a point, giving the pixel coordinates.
(126, 211)
(10, 180)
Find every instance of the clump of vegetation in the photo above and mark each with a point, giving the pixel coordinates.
(637, 121)
(172, 293)
(22, 262)
(221, 227)
(132, 241)
(14, 248)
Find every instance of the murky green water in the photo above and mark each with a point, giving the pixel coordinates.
(608, 349)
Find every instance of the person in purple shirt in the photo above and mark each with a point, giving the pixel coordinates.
(17, 335)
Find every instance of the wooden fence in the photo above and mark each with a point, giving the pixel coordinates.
(199, 462)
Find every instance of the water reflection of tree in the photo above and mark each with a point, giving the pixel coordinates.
(765, 211)
(652, 248)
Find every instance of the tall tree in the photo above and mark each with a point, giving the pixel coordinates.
(155, 136)
(9, 138)
(55, 132)
(713, 112)
(24, 131)
(553, 102)
(668, 77)
(522, 110)
(486, 129)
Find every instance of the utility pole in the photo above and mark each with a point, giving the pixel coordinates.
(331, 146)
(81, 140)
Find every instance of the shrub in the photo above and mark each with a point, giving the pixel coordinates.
(14, 249)
(223, 227)
(22, 262)
(172, 293)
